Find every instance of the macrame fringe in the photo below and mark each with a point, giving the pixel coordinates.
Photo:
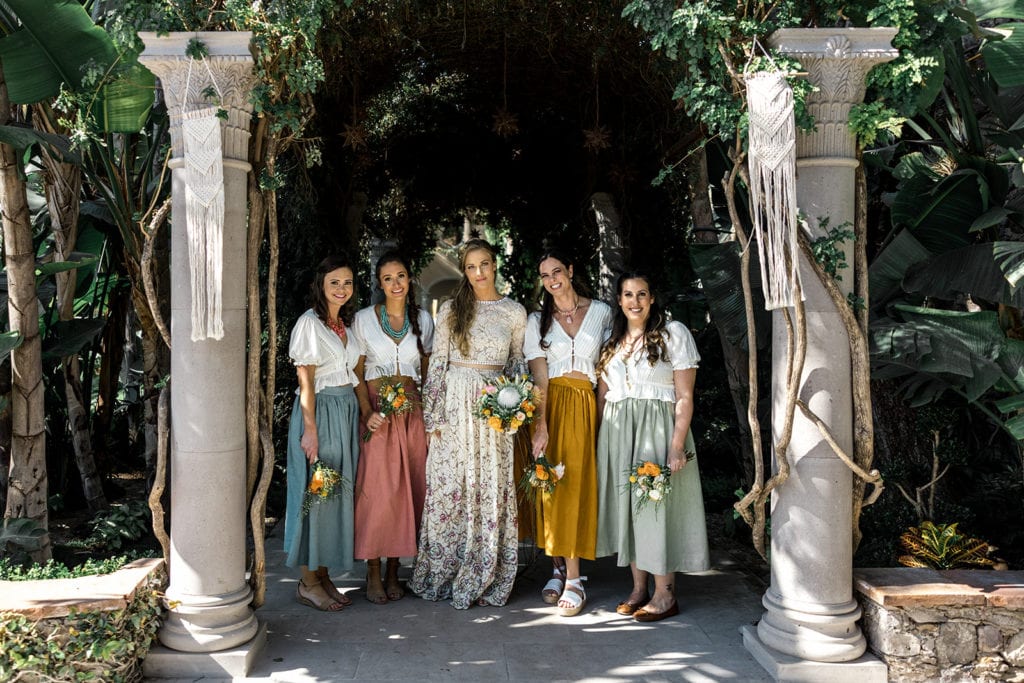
(204, 218)
(772, 162)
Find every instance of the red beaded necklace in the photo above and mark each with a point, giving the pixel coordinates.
(339, 327)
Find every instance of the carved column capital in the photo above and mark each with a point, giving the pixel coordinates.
(838, 61)
(227, 69)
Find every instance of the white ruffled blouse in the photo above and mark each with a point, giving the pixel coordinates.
(383, 356)
(632, 376)
(313, 343)
(566, 354)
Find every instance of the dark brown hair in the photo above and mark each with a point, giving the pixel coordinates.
(547, 302)
(412, 309)
(316, 289)
(654, 340)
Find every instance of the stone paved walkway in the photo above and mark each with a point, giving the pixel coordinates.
(416, 640)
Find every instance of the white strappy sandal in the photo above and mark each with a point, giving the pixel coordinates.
(552, 590)
(575, 596)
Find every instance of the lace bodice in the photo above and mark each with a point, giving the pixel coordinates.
(566, 354)
(313, 343)
(385, 357)
(632, 376)
(496, 338)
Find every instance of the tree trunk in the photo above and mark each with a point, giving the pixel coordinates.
(112, 350)
(734, 357)
(63, 187)
(613, 248)
(27, 486)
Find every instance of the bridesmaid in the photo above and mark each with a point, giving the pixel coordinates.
(645, 392)
(396, 338)
(563, 344)
(323, 427)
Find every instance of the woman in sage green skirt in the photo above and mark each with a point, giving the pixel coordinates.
(645, 396)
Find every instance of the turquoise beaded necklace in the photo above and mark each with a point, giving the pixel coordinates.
(385, 323)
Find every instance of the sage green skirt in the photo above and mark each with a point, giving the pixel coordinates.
(661, 539)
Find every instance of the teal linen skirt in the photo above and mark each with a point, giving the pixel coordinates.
(669, 537)
(323, 538)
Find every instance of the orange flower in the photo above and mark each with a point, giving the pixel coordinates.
(317, 482)
(399, 401)
(495, 423)
(526, 406)
(651, 469)
(541, 472)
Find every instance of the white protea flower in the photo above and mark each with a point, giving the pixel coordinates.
(508, 398)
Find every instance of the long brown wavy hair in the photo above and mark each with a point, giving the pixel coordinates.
(318, 300)
(412, 309)
(654, 327)
(464, 301)
(547, 302)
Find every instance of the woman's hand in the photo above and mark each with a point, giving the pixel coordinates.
(375, 421)
(310, 445)
(677, 455)
(540, 440)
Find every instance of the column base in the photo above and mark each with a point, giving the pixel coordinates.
(208, 623)
(811, 631)
(163, 662)
(782, 667)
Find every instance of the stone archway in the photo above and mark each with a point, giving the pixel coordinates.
(810, 627)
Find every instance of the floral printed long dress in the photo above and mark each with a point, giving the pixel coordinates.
(468, 538)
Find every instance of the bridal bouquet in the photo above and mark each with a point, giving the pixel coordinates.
(392, 400)
(325, 483)
(508, 403)
(540, 475)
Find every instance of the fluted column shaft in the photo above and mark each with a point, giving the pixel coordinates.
(208, 591)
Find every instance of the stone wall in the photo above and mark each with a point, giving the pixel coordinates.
(960, 625)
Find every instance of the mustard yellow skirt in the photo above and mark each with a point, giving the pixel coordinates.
(567, 517)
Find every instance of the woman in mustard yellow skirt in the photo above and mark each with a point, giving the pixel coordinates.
(563, 344)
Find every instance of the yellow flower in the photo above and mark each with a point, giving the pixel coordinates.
(632, 479)
(487, 412)
(495, 423)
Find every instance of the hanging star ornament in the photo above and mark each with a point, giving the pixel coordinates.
(597, 138)
(354, 136)
(506, 124)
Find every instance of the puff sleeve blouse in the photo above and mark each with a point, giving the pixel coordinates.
(313, 343)
(565, 354)
(383, 356)
(632, 376)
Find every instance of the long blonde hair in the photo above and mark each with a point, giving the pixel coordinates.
(464, 300)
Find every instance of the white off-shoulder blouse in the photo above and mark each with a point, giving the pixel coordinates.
(632, 376)
(313, 343)
(566, 354)
(383, 356)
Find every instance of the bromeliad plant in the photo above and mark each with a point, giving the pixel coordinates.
(942, 546)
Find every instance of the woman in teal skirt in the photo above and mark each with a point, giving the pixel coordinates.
(645, 397)
(324, 426)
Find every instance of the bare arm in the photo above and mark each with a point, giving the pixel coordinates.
(309, 442)
(684, 381)
(362, 393)
(539, 370)
(602, 392)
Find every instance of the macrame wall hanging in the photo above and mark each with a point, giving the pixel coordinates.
(772, 162)
(204, 211)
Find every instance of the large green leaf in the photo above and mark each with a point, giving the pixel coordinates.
(972, 270)
(56, 43)
(1009, 256)
(67, 337)
(22, 138)
(718, 267)
(997, 9)
(885, 275)
(8, 342)
(1005, 57)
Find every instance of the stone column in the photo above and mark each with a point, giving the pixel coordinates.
(810, 620)
(208, 590)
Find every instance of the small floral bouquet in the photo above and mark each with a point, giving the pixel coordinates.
(540, 475)
(392, 400)
(650, 483)
(508, 403)
(325, 483)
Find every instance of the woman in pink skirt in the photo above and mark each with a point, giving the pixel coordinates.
(396, 338)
